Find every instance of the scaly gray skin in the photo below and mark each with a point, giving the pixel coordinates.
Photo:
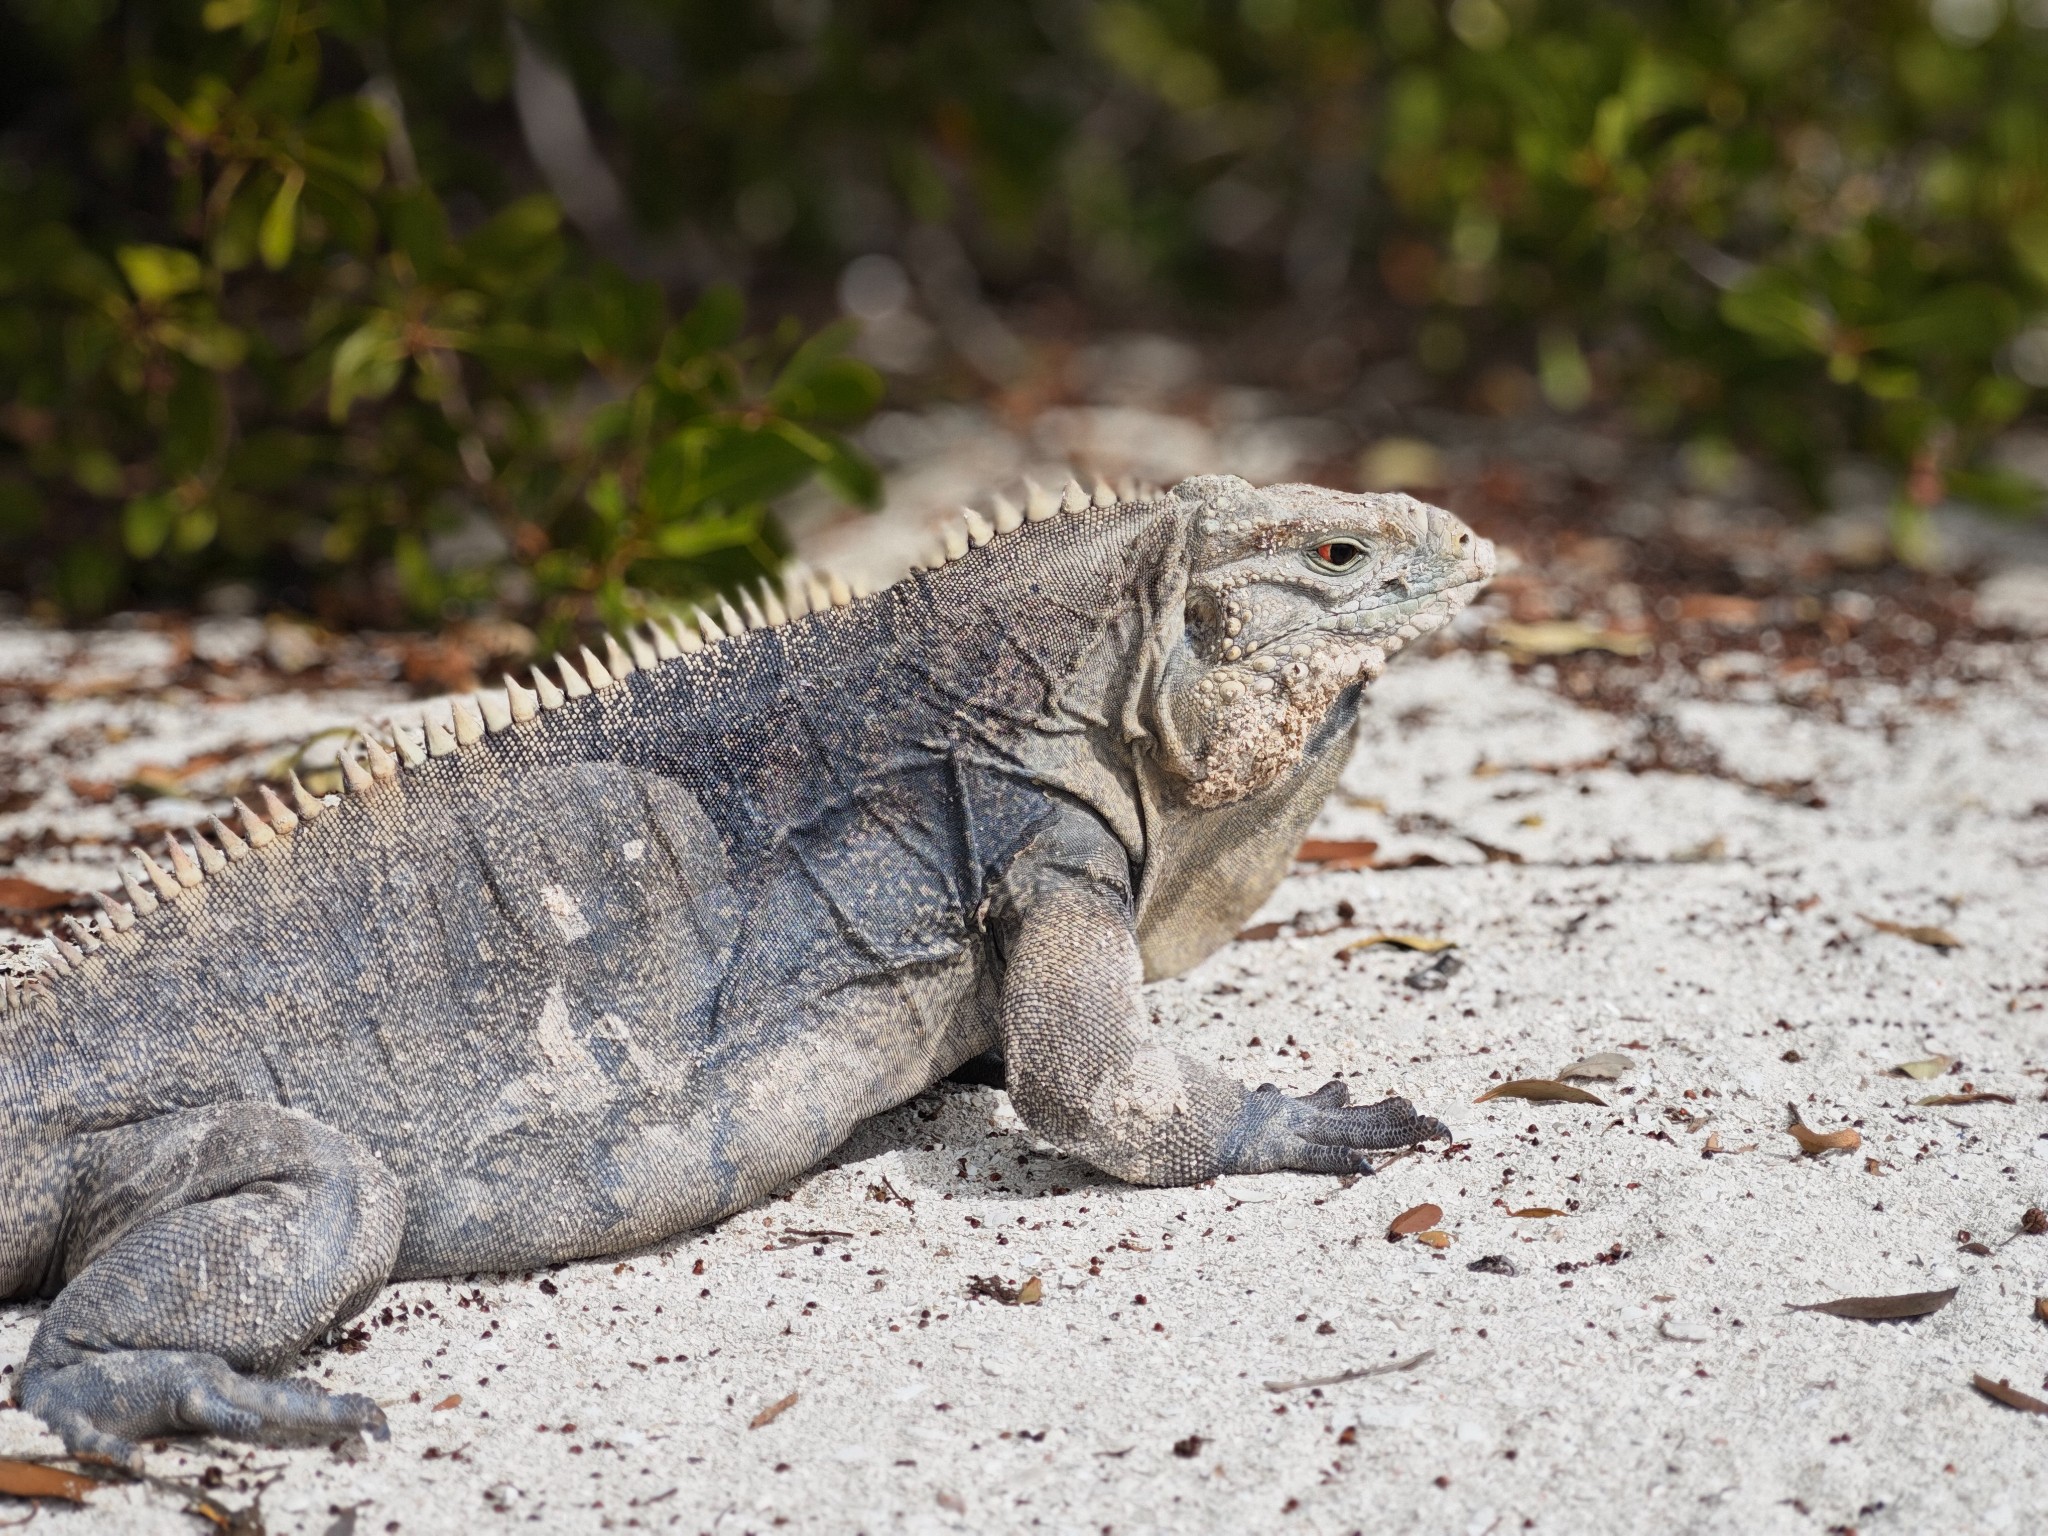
(613, 968)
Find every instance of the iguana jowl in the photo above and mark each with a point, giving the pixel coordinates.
(612, 959)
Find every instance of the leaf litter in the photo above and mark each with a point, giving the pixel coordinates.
(1413, 942)
(1881, 1309)
(1919, 933)
(1416, 1219)
(1813, 1143)
(1609, 1064)
(1931, 1066)
(772, 1412)
(1540, 1088)
(34, 1480)
(2003, 1391)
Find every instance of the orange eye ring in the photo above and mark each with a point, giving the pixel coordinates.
(1339, 554)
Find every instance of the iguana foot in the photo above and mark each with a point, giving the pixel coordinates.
(1322, 1133)
(102, 1405)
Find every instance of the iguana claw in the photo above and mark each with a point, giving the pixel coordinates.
(105, 1403)
(1321, 1133)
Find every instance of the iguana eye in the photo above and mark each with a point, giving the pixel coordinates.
(1337, 554)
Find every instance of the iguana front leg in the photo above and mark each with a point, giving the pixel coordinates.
(1084, 1074)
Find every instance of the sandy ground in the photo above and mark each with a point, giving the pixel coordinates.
(1639, 1369)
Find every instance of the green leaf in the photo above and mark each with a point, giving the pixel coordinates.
(366, 365)
(159, 272)
(206, 341)
(1772, 308)
(714, 322)
(518, 247)
(280, 229)
(146, 523)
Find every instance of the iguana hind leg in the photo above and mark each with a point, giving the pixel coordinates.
(198, 1247)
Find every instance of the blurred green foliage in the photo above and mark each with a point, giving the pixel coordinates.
(285, 298)
(259, 322)
(1805, 226)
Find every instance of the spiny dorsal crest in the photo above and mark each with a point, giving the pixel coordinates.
(974, 529)
(444, 729)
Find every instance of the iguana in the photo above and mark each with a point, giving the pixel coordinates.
(609, 957)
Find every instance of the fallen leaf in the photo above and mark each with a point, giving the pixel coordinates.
(1545, 1088)
(1813, 1143)
(1932, 1066)
(2004, 1392)
(1972, 1097)
(1434, 1239)
(2034, 1221)
(33, 1480)
(1719, 608)
(996, 1288)
(1189, 1448)
(1602, 1064)
(1933, 938)
(1418, 1218)
(772, 1412)
(1411, 941)
(1538, 1210)
(1259, 932)
(2041, 1308)
(1878, 1309)
(1564, 637)
(19, 895)
(1337, 853)
(452, 1400)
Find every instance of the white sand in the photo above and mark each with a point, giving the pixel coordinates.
(1670, 1390)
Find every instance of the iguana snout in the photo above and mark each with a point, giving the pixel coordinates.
(1296, 594)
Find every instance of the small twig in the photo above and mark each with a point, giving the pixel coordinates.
(1360, 1374)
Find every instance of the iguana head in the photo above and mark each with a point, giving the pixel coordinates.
(1295, 594)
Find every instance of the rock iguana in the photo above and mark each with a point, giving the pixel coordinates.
(611, 956)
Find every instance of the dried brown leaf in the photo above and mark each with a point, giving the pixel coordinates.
(1410, 941)
(1919, 933)
(772, 1412)
(1601, 1064)
(1337, 853)
(2005, 1392)
(1539, 1210)
(1434, 1239)
(1031, 1292)
(1813, 1143)
(1546, 1088)
(19, 895)
(452, 1400)
(33, 1480)
(1418, 1218)
(1877, 1309)
(1973, 1097)
(1931, 1066)
(2041, 1308)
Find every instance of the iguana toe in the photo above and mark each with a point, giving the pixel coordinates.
(1322, 1132)
(101, 1405)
